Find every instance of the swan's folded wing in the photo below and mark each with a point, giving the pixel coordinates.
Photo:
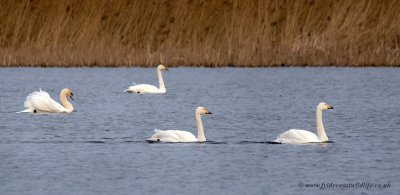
(41, 100)
(143, 88)
(172, 136)
(164, 136)
(185, 135)
(297, 136)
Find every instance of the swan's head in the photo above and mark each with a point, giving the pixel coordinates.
(202, 110)
(324, 106)
(162, 67)
(68, 93)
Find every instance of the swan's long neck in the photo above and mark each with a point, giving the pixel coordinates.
(161, 81)
(65, 102)
(200, 130)
(320, 127)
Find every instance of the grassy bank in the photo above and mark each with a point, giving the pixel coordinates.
(199, 33)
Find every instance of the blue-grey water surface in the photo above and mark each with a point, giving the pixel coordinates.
(100, 148)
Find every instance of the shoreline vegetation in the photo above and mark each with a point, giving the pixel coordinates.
(233, 33)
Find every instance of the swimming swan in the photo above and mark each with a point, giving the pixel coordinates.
(40, 101)
(182, 136)
(146, 88)
(296, 136)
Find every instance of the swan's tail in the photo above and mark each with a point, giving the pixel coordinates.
(26, 110)
(128, 90)
(154, 138)
(27, 102)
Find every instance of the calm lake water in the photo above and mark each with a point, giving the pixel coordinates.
(100, 148)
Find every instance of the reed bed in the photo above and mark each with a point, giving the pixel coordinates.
(215, 33)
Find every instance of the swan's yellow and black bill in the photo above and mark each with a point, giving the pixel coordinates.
(208, 112)
(330, 107)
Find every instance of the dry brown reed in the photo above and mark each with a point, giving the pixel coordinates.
(199, 33)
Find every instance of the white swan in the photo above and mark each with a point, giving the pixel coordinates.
(182, 136)
(296, 136)
(41, 102)
(146, 88)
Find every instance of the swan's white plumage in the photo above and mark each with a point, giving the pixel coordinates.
(151, 89)
(40, 101)
(143, 88)
(182, 136)
(173, 136)
(297, 136)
